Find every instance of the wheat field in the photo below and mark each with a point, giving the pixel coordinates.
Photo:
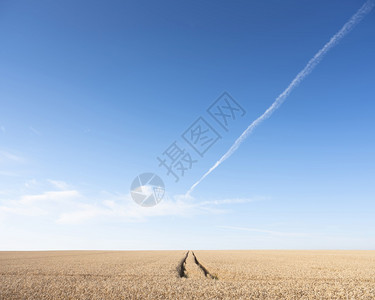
(187, 275)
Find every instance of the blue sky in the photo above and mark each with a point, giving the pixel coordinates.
(92, 93)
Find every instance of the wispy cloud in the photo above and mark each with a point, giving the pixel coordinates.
(35, 131)
(51, 196)
(2, 129)
(44, 203)
(271, 232)
(125, 209)
(233, 201)
(70, 206)
(8, 156)
(18, 209)
(31, 183)
(47, 184)
(40, 197)
(9, 173)
(312, 63)
(59, 184)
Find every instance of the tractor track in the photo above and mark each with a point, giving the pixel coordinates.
(203, 268)
(182, 271)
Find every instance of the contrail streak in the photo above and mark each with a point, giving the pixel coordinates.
(349, 25)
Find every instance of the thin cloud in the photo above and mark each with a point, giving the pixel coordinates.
(125, 209)
(50, 196)
(18, 209)
(38, 203)
(70, 206)
(233, 201)
(9, 174)
(8, 156)
(59, 184)
(35, 131)
(313, 62)
(31, 183)
(271, 232)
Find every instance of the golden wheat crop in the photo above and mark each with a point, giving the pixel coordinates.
(168, 275)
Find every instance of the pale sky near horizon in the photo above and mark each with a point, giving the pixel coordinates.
(92, 93)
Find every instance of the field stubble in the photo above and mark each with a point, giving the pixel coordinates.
(156, 275)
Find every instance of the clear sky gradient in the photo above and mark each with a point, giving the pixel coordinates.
(92, 92)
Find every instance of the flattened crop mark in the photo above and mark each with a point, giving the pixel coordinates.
(181, 269)
(203, 268)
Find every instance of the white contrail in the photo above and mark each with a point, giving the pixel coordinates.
(354, 20)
